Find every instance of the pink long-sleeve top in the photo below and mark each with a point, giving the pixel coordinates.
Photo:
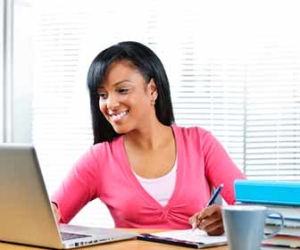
(104, 172)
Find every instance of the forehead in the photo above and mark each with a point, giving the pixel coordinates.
(121, 71)
(120, 67)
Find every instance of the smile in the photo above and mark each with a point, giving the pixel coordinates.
(116, 117)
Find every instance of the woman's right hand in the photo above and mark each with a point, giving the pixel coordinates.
(209, 219)
(56, 212)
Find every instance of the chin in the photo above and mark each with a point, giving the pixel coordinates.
(120, 130)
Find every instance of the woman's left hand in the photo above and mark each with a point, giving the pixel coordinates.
(209, 219)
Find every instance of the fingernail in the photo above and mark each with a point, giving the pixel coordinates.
(194, 226)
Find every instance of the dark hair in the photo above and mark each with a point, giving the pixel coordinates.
(149, 65)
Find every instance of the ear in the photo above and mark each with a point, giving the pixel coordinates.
(152, 88)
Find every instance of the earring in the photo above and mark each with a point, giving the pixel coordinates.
(153, 102)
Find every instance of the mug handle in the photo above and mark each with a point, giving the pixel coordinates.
(267, 236)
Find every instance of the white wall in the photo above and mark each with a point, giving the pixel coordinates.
(16, 57)
(1, 70)
(23, 75)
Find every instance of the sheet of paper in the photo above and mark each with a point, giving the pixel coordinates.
(192, 236)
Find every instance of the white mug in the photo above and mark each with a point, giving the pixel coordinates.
(244, 226)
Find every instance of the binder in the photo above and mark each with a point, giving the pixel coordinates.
(267, 192)
(185, 238)
(282, 241)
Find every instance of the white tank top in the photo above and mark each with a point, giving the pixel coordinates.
(161, 189)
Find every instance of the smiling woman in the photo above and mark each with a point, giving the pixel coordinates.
(136, 141)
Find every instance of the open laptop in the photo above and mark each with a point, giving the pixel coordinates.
(26, 215)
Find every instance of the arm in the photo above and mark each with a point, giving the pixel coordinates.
(77, 189)
(219, 168)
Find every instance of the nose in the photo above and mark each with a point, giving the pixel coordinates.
(112, 102)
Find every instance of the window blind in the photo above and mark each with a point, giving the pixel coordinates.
(229, 73)
(273, 114)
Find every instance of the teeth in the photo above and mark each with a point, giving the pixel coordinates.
(116, 117)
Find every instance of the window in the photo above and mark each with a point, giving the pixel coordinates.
(234, 69)
(2, 23)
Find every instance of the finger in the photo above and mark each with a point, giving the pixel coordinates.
(194, 221)
(211, 225)
(217, 231)
(195, 217)
(209, 211)
(194, 225)
(216, 228)
(212, 219)
(208, 221)
(56, 212)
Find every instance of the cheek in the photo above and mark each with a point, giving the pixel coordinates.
(102, 106)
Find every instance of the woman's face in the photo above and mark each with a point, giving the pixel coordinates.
(126, 100)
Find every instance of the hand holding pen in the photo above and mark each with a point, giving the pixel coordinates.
(210, 218)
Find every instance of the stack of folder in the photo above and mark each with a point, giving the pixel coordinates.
(280, 196)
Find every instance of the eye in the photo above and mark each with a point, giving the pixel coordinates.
(123, 90)
(102, 95)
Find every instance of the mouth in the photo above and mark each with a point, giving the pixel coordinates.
(119, 116)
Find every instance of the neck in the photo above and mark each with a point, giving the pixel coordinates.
(150, 138)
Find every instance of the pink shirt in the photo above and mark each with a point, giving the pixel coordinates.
(104, 172)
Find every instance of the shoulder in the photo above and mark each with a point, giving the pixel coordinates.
(194, 132)
(103, 151)
(195, 137)
(116, 143)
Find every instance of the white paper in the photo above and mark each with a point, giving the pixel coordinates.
(192, 236)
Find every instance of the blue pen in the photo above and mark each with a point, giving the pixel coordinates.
(210, 202)
(215, 195)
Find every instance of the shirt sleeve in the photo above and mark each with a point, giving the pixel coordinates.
(78, 188)
(220, 168)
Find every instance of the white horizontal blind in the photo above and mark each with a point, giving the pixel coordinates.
(61, 127)
(273, 113)
(211, 96)
(229, 73)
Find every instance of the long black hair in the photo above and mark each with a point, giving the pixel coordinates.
(149, 65)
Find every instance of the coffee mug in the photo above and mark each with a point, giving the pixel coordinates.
(244, 226)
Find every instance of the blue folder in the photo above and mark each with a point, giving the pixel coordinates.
(267, 192)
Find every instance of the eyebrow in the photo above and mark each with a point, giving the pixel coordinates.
(115, 84)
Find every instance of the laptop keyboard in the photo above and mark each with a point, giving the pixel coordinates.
(71, 236)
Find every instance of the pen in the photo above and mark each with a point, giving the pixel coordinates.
(215, 195)
(210, 202)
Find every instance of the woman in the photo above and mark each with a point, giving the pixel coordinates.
(149, 172)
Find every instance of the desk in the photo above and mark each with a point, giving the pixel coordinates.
(121, 245)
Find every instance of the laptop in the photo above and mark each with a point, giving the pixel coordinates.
(26, 215)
